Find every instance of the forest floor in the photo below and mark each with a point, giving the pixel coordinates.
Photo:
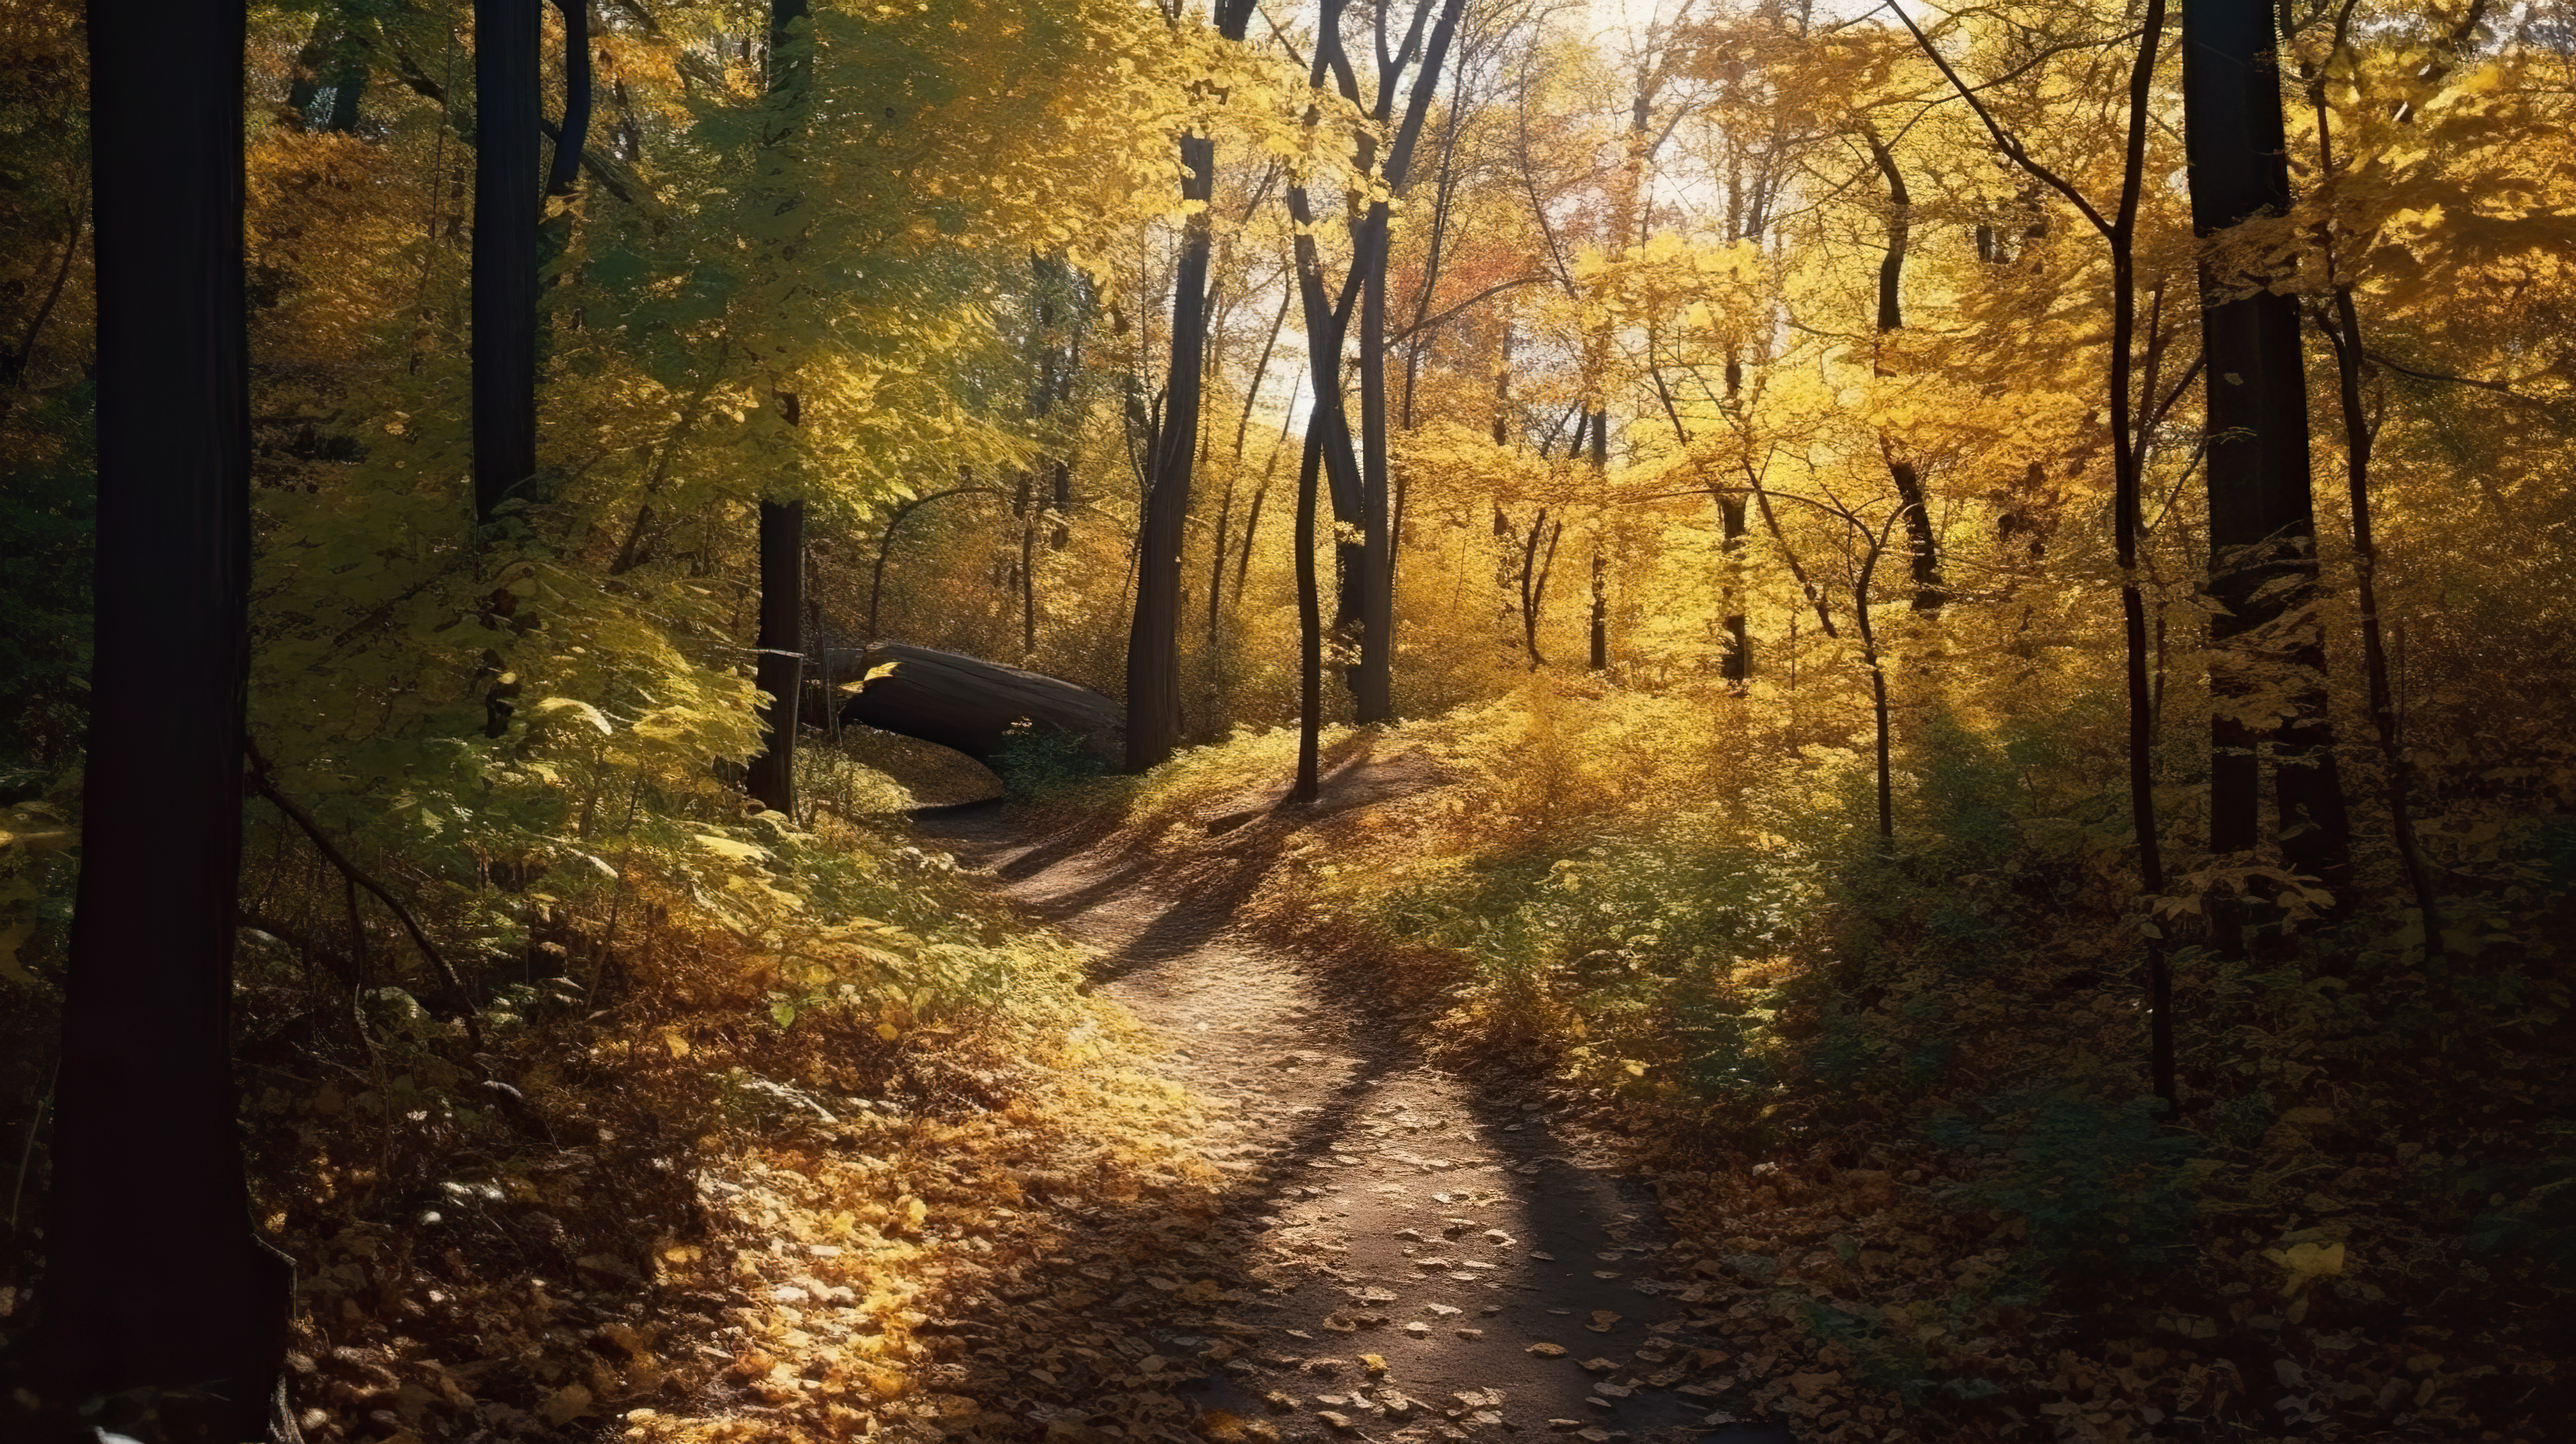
(1276, 1179)
(1405, 1250)
(1254, 1201)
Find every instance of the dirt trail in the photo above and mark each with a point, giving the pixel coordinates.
(1401, 1237)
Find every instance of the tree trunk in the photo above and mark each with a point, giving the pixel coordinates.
(1924, 545)
(576, 116)
(779, 671)
(2360, 435)
(1600, 610)
(1310, 625)
(1736, 664)
(156, 1289)
(1600, 659)
(1361, 487)
(1154, 639)
(2118, 231)
(2262, 526)
(779, 668)
(506, 196)
(1880, 720)
(966, 703)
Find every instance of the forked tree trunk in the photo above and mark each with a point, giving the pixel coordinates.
(1360, 484)
(156, 1289)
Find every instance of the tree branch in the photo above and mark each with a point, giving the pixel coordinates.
(2005, 141)
(261, 784)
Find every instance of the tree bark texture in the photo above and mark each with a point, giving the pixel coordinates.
(1736, 663)
(155, 1281)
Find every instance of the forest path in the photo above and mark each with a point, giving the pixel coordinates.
(1394, 1239)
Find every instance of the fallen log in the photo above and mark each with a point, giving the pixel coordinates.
(963, 702)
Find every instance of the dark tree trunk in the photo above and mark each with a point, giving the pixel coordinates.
(780, 668)
(1600, 610)
(1536, 564)
(1153, 644)
(576, 117)
(1310, 624)
(1600, 563)
(2343, 330)
(1154, 639)
(966, 703)
(1357, 475)
(1881, 730)
(1736, 665)
(1923, 544)
(782, 641)
(2118, 231)
(1373, 686)
(506, 196)
(2262, 526)
(156, 1288)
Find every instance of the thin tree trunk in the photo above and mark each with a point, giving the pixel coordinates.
(2359, 439)
(1260, 494)
(1225, 509)
(885, 545)
(157, 1293)
(1924, 545)
(1878, 700)
(1535, 567)
(1310, 626)
(575, 131)
(1600, 658)
(2117, 231)
(1600, 610)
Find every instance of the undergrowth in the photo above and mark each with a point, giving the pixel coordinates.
(1897, 1101)
(720, 1052)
